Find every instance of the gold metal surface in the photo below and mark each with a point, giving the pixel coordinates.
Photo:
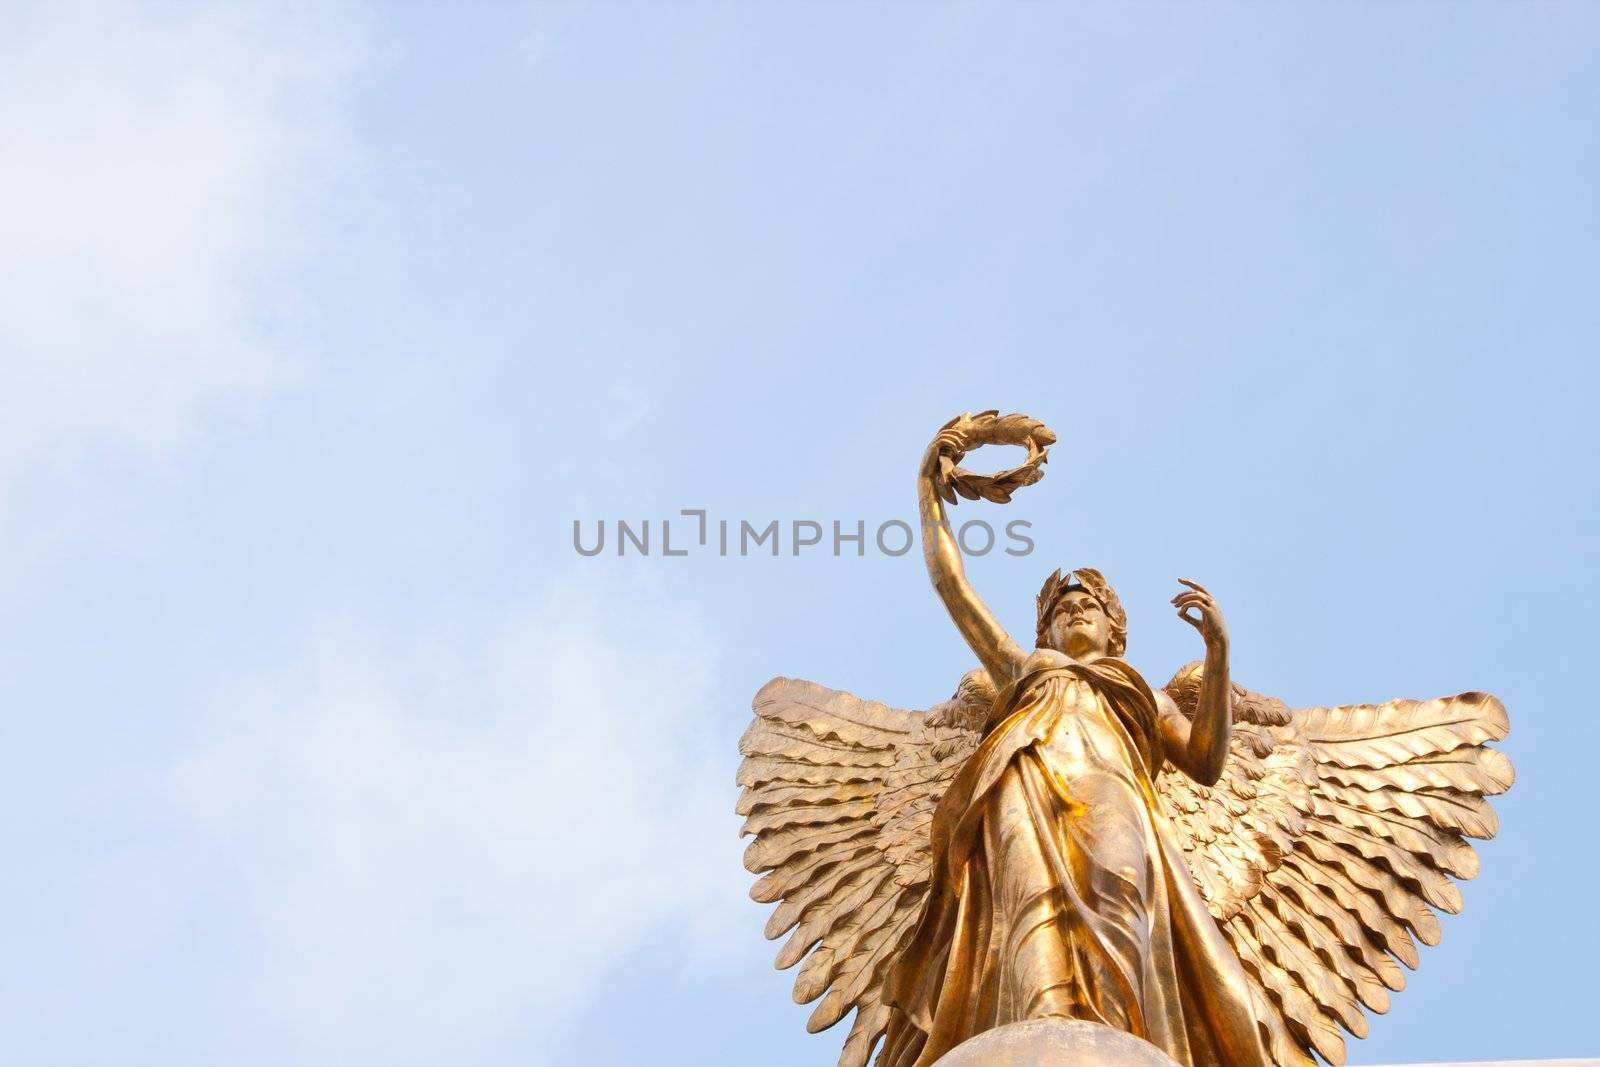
(1055, 1043)
(1200, 866)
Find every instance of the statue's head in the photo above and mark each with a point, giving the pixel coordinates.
(1080, 614)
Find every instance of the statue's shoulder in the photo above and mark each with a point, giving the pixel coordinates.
(1043, 659)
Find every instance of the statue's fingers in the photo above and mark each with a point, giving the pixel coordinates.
(1190, 619)
(1198, 600)
(1192, 584)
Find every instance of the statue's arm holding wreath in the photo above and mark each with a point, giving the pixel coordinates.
(941, 482)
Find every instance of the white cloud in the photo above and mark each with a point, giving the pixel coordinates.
(465, 833)
(461, 831)
(162, 168)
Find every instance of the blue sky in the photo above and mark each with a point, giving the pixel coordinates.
(324, 323)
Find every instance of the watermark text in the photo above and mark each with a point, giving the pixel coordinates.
(693, 531)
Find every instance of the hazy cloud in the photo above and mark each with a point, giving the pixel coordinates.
(162, 169)
(465, 832)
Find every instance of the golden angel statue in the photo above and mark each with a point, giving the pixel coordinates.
(1228, 878)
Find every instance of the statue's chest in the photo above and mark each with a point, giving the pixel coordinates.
(1078, 733)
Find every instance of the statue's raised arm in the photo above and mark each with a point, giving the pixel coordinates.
(941, 482)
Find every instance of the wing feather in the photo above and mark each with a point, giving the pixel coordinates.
(1342, 918)
(1403, 902)
(858, 912)
(1301, 1014)
(1414, 870)
(809, 815)
(776, 847)
(852, 974)
(1282, 1046)
(1329, 991)
(872, 1019)
(821, 888)
(833, 713)
(1439, 848)
(785, 879)
(772, 795)
(1384, 735)
(1473, 771)
(1318, 932)
(1381, 922)
(797, 743)
(1454, 813)
(819, 920)
(762, 770)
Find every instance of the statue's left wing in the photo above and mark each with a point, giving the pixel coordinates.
(1330, 840)
(839, 793)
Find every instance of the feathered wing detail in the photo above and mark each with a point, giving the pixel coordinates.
(839, 793)
(1327, 844)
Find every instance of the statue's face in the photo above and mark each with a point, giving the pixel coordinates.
(1079, 625)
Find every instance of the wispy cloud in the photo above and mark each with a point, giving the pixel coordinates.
(162, 169)
(464, 833)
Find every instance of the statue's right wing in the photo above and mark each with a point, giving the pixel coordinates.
(1330, 840)
(839, 793)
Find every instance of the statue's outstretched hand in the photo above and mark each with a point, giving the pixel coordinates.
(948, 447)
(1207, 617)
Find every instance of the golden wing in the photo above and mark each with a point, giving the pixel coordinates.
(1331, 838)
(839, 793)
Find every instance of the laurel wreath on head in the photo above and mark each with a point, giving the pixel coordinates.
(967, 432)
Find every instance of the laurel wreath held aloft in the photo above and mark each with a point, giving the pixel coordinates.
(964, 433)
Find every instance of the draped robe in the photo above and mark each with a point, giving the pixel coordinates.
(1057, 889)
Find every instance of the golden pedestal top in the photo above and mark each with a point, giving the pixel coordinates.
(1055, 1043)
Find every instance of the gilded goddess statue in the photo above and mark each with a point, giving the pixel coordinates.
(1199, 866)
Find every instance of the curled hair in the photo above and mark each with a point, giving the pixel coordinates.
(1094, 583)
